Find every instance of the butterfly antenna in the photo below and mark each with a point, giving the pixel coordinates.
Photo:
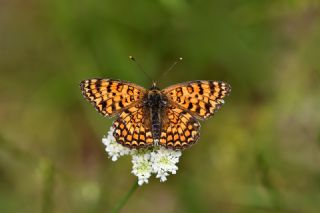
(170, 68)
(140, 67)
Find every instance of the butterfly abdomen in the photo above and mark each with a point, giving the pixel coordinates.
(155, 123)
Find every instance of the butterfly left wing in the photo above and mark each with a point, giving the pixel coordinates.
(179, 128)
(201, 98)
(132, 127)
(110, 97)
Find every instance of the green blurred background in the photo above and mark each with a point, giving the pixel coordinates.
(259, 153)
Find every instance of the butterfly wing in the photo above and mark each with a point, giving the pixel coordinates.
(132, 127)
(110, 97)
(179, 128)
(200, 98)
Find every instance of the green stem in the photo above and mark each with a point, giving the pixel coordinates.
(124, 200)
(49, 171)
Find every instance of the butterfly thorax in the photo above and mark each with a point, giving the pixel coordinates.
(155, 102)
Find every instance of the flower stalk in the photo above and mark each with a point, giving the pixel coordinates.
(125, 199)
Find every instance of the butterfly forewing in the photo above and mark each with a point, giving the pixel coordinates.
(179, 128)
(109, 96)
(201, 98)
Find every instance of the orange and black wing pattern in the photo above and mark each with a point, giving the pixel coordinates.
(132, 128)
(109, 96)
(179, 128)
(201, 98)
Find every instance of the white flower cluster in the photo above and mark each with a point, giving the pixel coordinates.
(159, 161)
(114, 149)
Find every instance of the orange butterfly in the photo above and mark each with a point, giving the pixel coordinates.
(145, 118)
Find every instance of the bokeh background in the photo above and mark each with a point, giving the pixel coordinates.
(259, 153)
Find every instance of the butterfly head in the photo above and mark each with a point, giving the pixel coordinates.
(154, 86)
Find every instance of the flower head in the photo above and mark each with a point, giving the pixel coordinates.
(164, 162)
(159, 160)
(142, 167)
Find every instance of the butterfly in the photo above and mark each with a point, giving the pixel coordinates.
(152, 117)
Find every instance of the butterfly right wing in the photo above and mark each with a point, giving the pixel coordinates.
(201, 98)
(132, 127)
(110, 97)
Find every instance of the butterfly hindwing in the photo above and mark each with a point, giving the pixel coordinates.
(109, 96)
(132, 128)
(201, 98)
(179, 128)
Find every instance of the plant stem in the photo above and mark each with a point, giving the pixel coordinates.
(49, 172)
(124, 200)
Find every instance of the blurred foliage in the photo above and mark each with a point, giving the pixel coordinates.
(260, 152)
